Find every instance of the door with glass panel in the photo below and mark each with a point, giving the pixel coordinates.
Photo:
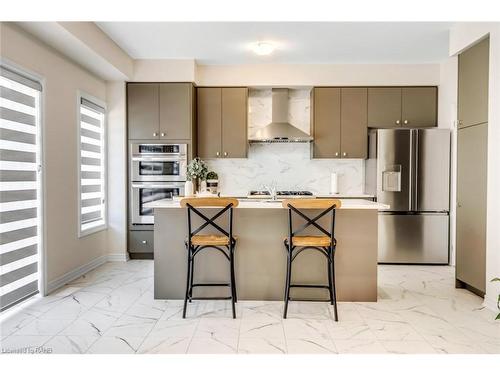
(20, 187)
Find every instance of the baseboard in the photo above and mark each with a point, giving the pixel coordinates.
(82, 270)
(490, 303)
(118, 257)
(74, 274)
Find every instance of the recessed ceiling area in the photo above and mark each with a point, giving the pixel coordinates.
(295, 42)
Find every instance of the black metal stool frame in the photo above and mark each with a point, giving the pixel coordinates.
(226, 250)
(327, 251)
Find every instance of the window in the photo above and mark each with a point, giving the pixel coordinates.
(20, 188)
(92, 167)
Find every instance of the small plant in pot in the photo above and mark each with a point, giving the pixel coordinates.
(498, 299)
(196, 170)
(212, 182)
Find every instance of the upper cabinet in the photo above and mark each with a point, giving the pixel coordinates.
(160, 111)
(222, 122)
(473, 75)
(143, 117)
(384, 107)
(325, 122)
(419, 106)
(353, 122)
(394, 107)
(176, 110)
(339, 122)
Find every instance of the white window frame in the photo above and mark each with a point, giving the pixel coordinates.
(103, 226)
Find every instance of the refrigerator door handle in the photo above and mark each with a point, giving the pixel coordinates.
(416, 152)
(411, 171)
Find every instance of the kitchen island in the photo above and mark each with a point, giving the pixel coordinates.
(260, 258)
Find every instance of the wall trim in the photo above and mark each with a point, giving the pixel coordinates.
(82, 270)
(490, 303)
(118, 257)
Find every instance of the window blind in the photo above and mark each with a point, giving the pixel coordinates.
(19, 186)
(92, 166)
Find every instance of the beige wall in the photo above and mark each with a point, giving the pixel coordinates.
(317, 74)
(164, 70)
(62, 79)
(462, 36)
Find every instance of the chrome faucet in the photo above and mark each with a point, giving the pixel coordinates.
(272, 188)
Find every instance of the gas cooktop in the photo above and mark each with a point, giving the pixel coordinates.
(280, 194)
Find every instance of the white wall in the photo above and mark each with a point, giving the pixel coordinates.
(462, 36)
(117, 170)
(62, 80)
(447, 114)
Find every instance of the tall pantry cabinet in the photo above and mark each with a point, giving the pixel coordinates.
(472, 147)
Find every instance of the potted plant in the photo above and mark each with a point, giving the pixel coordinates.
(498, 300)
(196, 170)
(212, 182)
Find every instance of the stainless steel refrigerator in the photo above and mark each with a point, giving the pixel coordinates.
(409, 169)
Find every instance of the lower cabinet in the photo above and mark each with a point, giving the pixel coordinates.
(140, 242)
(472, 146)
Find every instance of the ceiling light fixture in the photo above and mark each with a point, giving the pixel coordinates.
(263, 48)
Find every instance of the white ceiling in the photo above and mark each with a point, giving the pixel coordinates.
(296, 42)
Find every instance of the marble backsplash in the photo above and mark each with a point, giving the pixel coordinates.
(288, 164)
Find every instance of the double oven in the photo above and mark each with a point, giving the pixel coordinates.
(157, 171)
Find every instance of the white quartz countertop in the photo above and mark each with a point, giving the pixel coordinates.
(346, 204)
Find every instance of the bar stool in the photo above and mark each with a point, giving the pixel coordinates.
(223, 241)
(325, 243)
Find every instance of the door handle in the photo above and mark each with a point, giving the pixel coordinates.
(225, 153)
(217, 153)
(406, 122)
(162, 134)
(336, 154)
(344, 154)
(155, 134)
(398, 122)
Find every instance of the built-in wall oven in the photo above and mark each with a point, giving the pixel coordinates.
(158, 162)
(158, 171)
(146, 192)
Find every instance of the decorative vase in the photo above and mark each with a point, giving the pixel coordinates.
(188, 189)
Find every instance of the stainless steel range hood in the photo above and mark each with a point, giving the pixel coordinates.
(280, 130)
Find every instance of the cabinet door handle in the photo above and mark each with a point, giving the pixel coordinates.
(225, 153)
(336, 154)
(406, 122)
(144, 242)
(398, 122)
(217, 153)
(344, 154)
(155, 134)
(162, 134)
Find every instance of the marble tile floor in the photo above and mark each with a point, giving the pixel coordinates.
(111, 310)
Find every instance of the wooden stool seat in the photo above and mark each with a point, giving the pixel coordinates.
(310, 241)
(210, 240)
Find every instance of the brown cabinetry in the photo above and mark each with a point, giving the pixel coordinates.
(160, 111)
(473, 75)
(143, 117)
(222, 122)
(325, 121)
(176, 110)
(338, 118)
(394, 107)
(353, 123)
